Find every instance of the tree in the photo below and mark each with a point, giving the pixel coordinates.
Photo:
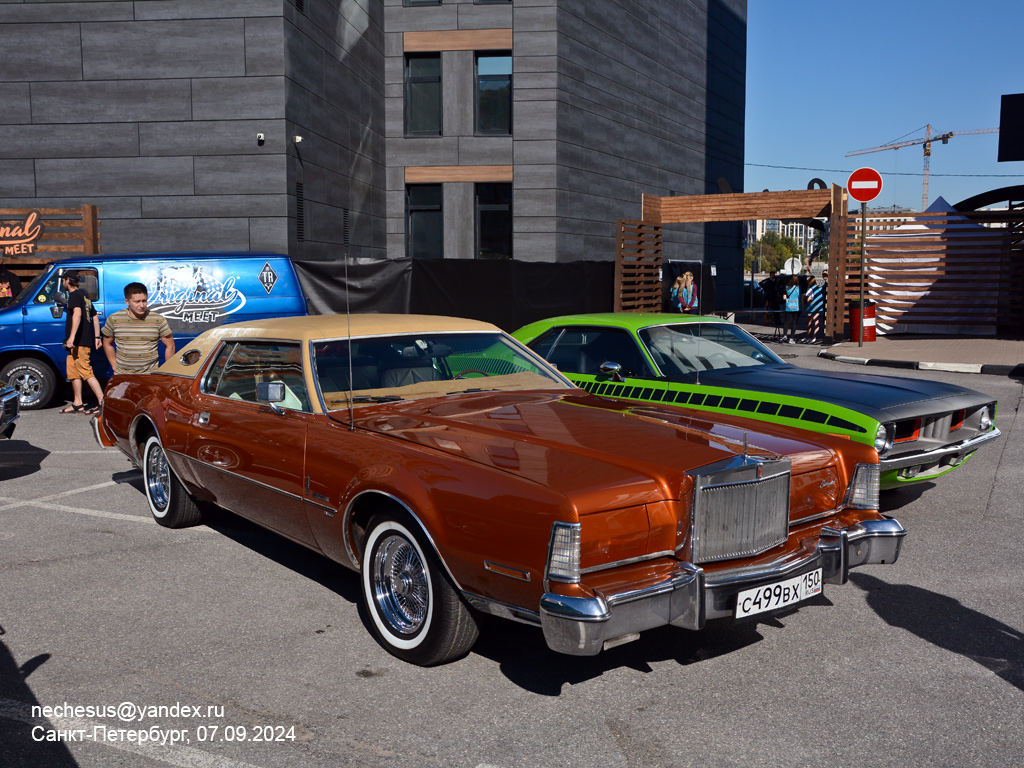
(772, 250)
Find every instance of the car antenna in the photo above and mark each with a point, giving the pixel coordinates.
(348, 324)
(700, 325)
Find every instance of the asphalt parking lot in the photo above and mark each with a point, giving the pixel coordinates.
(231, 647)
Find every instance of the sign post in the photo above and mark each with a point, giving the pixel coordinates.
(864, 185)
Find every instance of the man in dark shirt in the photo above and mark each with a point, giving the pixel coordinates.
(81, 327)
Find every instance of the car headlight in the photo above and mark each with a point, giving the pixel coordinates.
(864, 487)
(564, 553)
(985, 419)
(883, 440)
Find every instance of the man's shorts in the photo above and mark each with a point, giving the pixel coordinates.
(79, 365)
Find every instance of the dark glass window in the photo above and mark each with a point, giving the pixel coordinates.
(423, 94)
(491, 2)
(424, 221)
(408, 3)
(494, 93)
(494, 221)
(584, 350)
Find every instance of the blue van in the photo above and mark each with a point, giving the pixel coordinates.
(194, 291)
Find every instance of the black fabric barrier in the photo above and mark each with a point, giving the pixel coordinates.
(509, 294)
(375, 285)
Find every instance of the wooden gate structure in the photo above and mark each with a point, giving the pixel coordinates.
(750, 206)
(62, 232)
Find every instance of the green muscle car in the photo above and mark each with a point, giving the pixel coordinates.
(921, 429)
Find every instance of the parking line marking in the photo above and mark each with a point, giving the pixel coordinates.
(173, 754)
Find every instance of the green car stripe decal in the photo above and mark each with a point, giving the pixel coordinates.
(742, 406)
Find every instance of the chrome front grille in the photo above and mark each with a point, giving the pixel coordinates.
(740, 509)
(936, 427)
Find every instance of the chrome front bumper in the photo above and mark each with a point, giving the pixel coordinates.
(688, 597)
(947, 455)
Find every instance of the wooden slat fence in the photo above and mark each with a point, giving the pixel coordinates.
(638, 262)
(947, 272)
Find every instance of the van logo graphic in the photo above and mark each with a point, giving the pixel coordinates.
(268, 277)
(190, 294)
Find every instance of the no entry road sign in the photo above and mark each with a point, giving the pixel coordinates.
(864, 185)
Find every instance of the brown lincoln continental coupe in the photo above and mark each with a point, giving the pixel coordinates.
(458, 473)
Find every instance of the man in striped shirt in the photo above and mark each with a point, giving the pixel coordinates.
(135, 332)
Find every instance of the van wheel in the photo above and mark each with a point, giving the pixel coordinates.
(414, 611)
(170, 503)
(34, 380)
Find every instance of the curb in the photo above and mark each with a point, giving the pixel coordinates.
(990, 370)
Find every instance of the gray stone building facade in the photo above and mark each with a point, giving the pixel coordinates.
(285, 124)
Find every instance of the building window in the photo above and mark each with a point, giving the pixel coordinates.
(494, 93)
(410, 3)
(494, 221)
(423, 94)
(492, 2)
(424, 221)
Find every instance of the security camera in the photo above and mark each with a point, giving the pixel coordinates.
(260, 138)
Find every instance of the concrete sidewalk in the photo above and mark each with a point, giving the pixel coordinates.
(997, 357)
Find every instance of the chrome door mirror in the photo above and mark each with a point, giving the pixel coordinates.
(612, 370)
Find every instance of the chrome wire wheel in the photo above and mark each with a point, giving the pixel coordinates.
(412, 606)
(401, 585)
(158, 478)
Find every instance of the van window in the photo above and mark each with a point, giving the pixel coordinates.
(88, 282)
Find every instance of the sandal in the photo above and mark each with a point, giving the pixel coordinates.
(72, 408)
(92, 409)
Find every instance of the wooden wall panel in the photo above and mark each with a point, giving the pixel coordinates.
(436, 174)
(458, 40)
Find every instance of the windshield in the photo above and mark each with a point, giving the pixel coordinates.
(36, 293)
(681, 350)
(392, 368)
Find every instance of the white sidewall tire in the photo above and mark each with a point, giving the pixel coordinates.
(158, 513)
(386, 632)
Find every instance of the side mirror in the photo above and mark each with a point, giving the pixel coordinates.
(57, 311)
(613, 370)
(270, 392)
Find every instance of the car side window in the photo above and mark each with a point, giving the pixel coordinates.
(584, 350)
(241, 366)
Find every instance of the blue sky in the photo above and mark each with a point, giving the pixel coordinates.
(825, 77)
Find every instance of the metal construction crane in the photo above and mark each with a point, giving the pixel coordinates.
(927, 141)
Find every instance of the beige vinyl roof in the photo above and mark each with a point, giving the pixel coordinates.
(312, 327)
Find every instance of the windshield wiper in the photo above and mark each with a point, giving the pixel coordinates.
(371, 399)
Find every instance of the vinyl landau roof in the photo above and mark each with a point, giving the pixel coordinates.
(304, 329)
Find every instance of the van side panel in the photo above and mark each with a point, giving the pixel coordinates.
(195, 294)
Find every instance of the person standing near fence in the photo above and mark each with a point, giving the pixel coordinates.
(814, 305)
(791, 309)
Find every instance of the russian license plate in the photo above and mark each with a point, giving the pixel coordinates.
(771, 597)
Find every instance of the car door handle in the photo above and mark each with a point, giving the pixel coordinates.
(203, 419)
